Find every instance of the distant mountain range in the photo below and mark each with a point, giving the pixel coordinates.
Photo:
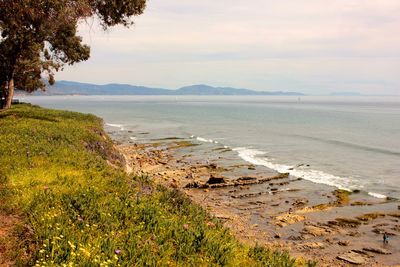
(346, 94)
(76, 88)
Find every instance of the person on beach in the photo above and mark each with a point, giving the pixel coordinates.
(385, 238)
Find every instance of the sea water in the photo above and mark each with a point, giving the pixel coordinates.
(346, 142)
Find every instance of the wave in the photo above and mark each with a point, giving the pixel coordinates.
(376, 195)
(255, 157)
(258, 157)
(120, 126)
(204, 140)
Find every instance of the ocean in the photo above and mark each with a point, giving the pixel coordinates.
(351, 143)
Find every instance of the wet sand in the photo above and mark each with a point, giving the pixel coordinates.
(259, 205)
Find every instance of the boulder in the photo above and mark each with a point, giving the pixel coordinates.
(212, 166)
(289, 218)
(314, 230)
(246, 178)
(378, 250)
(352, 257)
(194, 184)
(189, 176)
(312, 245)
(216, 180)
(345, 223)
(300, 202)
(296, 238)
(359, 251)
(354, 234)
(379, 231)
(343, 243)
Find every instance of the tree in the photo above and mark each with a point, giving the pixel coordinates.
(39, 37)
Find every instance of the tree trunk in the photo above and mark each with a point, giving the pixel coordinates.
(10, 93)
(2, 97)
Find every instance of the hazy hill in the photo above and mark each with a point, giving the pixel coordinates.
(346, 94)
(76, 88)
(209, 90)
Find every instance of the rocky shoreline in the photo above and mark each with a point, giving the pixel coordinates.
(261, 206)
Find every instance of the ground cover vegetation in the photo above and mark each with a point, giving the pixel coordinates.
(63, 186)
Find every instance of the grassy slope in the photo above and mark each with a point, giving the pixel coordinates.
(75, 209)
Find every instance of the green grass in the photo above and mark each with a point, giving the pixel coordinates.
(58, 174)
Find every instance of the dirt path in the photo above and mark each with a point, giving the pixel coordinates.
(7, 240)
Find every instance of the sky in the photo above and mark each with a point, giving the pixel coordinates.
(309, 46)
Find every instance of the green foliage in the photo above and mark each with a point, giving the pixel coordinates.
(114, 12)
(39, 37)
(78, 210)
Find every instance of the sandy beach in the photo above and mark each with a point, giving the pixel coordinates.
(259, 205)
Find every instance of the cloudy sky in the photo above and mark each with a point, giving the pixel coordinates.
(312, 46)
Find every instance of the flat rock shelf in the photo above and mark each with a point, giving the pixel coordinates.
(262, 206)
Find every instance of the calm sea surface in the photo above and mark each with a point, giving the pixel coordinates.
(347, 142)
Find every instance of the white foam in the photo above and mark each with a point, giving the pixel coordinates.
(120, 126)
(133, 138)
(114, 125)
(254, 156)
(376, 195)
(201, 139)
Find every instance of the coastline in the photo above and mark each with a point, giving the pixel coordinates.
(66, 200)
(258, 205)
(261, 206)
(357, 159)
